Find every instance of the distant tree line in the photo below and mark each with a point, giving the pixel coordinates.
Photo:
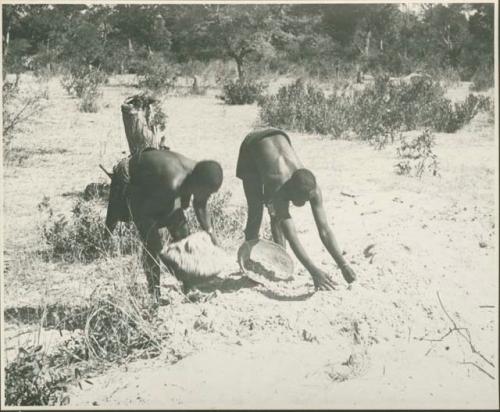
(321, 38)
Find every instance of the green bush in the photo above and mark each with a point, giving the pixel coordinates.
(83, 236)
(241, 92)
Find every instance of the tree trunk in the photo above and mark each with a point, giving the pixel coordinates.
(137, 114)
(239, 66)
(7, 41)
(367, 44)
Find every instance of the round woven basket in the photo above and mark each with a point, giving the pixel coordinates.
(267, 259)
(195, 258)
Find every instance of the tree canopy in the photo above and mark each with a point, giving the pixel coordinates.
(117, 38)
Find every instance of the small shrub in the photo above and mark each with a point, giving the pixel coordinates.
(82, 79)
(305, 108)
(30, 381)
(88, 101)
(449, 118)
(156, 76)
(20, 105)
(483, 78)
(237, 92)
(83, 236)
(85, 82)
(158, 121)
(417, 156)
(378, 112)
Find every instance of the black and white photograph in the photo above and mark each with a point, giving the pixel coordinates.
(249, 205)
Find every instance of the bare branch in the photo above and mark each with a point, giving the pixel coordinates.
(478, 367)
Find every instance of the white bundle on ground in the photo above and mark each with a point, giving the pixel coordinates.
(195, 258)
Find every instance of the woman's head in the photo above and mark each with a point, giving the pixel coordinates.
(300, 187)
(206, 178)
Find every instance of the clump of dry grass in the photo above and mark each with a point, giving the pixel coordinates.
(120, 322)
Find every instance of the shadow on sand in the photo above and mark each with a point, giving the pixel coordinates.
(236, 281)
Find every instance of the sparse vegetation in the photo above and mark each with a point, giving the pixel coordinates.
(85, 82)
(82, 293)
(19, 106)
(31, 381)
(241, 91)
(416, 155)
(82, 237)
(118, 324)
(157, 76)
(483, 78)
(377, 114)
(227, 220)
(305, 107)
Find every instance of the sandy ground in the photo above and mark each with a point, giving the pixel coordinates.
(245, 347)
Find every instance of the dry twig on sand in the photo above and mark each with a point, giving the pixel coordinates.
(464, 333)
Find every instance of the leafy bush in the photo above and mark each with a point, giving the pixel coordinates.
(307, 109)
(417, 156)
(83, 237)
(80, 79)
(156, 76)
(378, 113)
(30, 381)
(85, 82)
(241, 92)
(449, 118)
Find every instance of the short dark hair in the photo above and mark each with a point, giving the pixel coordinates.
(302, 182)
(208, 173)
